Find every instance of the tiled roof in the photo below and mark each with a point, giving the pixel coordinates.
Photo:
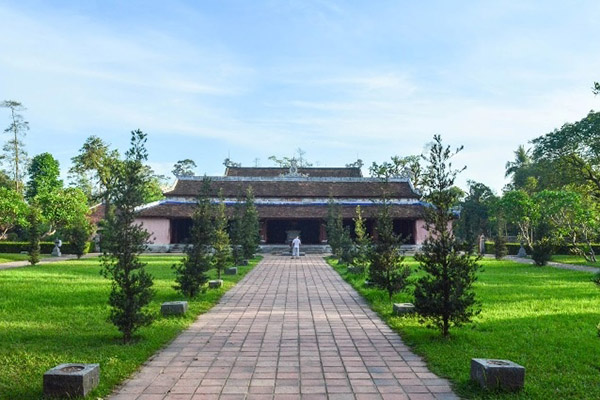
(299, 188)
(312, 172)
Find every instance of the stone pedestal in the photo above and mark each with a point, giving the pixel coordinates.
(174, 308)
(404, 308)
(215, 284)
(56, 252)
(231, 271)
(497, 374)
(71, 380)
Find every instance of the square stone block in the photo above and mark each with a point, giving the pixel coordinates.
(215, 284)
(71, 380)
(497, 374)
(244, 262)
(404, 308)
(174, 308)
(231, 271)
(355, 270)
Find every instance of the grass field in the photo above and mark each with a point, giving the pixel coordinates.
(540, 317)
(57, 313)
(575, 260)
(8, 257)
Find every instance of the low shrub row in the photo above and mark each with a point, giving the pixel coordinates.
(513, 248)
(45, 247)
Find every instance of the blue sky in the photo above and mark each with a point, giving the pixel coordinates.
(340, 79)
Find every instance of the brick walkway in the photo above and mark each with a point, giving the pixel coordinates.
(292, 329)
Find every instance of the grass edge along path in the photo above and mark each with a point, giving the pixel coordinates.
(540, 317)
(58, 313)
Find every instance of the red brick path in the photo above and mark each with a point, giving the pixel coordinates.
(292, 329)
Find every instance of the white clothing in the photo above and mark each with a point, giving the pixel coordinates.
(296, 248)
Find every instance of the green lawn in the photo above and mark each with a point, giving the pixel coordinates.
(575, 260)
(57, 313)
(8, 257)
(540, 317)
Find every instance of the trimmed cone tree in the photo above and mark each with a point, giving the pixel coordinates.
(191, 273)
(444, 295)
(124, 241)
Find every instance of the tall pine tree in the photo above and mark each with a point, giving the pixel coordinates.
(123, 242)
(191, 273)
(221, 241)
(250, 226)
(444, 294)
(388, 270)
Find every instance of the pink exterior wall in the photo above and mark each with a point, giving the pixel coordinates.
(159, 228)
(421, 232)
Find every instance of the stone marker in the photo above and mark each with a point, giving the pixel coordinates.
(369, 284)
(497, 374)
(70, 380)
(174, 308)
(355, 270)
(215, 284)
(522, 253)
(231, 271)
(403, 308)
(56, 250)
(244, 262)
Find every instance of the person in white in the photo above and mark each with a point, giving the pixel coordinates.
(296, 247)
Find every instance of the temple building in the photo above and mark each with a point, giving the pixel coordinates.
(289, 202)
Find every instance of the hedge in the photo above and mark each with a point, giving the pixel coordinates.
(45, 247)
(513, 248)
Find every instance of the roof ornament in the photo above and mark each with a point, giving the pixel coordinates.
(293, 172)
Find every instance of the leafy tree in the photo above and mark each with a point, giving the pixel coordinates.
(124, 241)
(444, 293)
(521, 171)
(221, 242)
(62, 208)
(191, 273)
(578, 146)
(388, 270)
(250, 226)
(363, 242)
(44, 172)
(519, 209)
(399, 167)
(184, 168)
(34, 233)
(14, 152)
(95, 170)
(571, 218)
(153, 189)
(13, 210)
(475, 213)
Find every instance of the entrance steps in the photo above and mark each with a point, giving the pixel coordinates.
(286, 250)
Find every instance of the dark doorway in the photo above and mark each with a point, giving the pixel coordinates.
(405, 228)
(180, 230)
(309, 230)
